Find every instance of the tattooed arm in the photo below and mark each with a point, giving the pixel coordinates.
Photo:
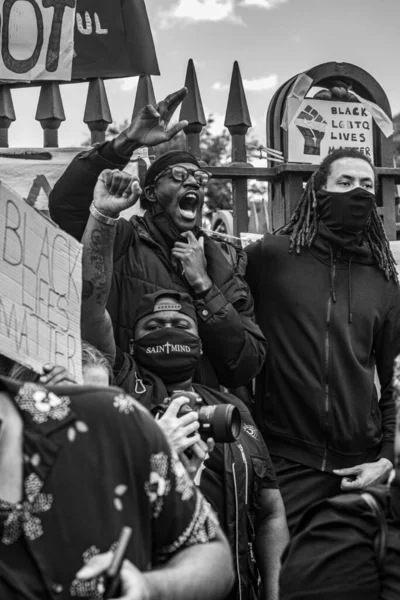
(115, 191)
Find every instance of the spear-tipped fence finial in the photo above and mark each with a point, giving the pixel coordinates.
(50, 113)
(237, 120)
(237, 117)
(192, 110)
(97, 114)
(144, 94)
(7, 114)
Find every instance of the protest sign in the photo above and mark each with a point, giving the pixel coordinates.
(318, 127)
(40, 292)
(37, 39)
(113, 39)
(75, 39)
(32, 173)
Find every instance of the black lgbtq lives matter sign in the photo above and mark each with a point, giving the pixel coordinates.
(102, 38)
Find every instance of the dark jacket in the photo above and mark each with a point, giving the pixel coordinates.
(247, 469)
(331, 318)
(234, 348)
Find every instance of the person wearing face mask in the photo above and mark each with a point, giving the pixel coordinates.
(327, 299)
(238, 478)
(348, 547)
(166, 248)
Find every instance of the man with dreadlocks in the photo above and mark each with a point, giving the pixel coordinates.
(327, 299)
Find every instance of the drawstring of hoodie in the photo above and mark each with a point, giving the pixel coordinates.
(350, 290)
(333, 289)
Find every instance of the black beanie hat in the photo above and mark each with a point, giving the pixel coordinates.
(174, 157)
(180, 302)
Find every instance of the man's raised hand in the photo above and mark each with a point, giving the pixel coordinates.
(151, 126)
(115, 191)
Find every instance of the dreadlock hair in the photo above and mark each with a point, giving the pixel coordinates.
(302, 227)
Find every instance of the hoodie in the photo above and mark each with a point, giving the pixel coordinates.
(332, 321)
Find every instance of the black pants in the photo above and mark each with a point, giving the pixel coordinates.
(333, 557)
(301, 486)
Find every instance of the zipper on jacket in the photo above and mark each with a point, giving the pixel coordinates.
(246, 468)
(327, 359)
(237, 530)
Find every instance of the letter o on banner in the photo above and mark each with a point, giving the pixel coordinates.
(13, 64)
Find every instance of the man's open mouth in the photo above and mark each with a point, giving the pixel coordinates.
(188, 205)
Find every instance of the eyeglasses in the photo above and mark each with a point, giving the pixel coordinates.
(180, 174)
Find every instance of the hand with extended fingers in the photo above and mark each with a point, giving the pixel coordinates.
(364, 475)
(115, 191)
(151, 126)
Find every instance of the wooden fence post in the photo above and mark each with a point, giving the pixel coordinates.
(192, 111)
(97, 114)
(237, 120)
(7, 114)
(50, 113)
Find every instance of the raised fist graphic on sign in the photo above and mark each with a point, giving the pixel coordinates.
(312, 127)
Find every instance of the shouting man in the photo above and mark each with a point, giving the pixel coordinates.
(166, 249)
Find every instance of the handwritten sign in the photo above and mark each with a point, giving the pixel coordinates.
(37, 39)
(40, 293)
(319, 127)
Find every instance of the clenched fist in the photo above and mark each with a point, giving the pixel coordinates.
(115, 191)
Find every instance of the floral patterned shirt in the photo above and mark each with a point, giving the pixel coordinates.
(94, 461)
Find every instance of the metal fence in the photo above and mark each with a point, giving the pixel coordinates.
(285, 179)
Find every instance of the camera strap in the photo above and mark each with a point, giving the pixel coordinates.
(381, 537)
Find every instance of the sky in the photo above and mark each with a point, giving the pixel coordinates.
(271, 39)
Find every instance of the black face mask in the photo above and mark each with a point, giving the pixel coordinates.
(345, 211)
(172, 354)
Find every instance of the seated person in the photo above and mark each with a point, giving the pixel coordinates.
(65, 499)
(348, 547)
(238, 478)
(165, 248)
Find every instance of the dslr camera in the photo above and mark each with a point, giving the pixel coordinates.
(222, 422)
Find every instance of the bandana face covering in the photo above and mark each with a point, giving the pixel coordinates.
(169, 353)
(346, 212)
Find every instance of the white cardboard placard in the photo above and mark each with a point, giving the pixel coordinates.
(40, 288)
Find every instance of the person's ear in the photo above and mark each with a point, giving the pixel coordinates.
(150, 193)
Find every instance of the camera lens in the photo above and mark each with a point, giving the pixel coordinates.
(222, 422)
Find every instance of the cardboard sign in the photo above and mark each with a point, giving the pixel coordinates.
(37, 39)
(318, 127)
(32, 172)
(40, 292)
